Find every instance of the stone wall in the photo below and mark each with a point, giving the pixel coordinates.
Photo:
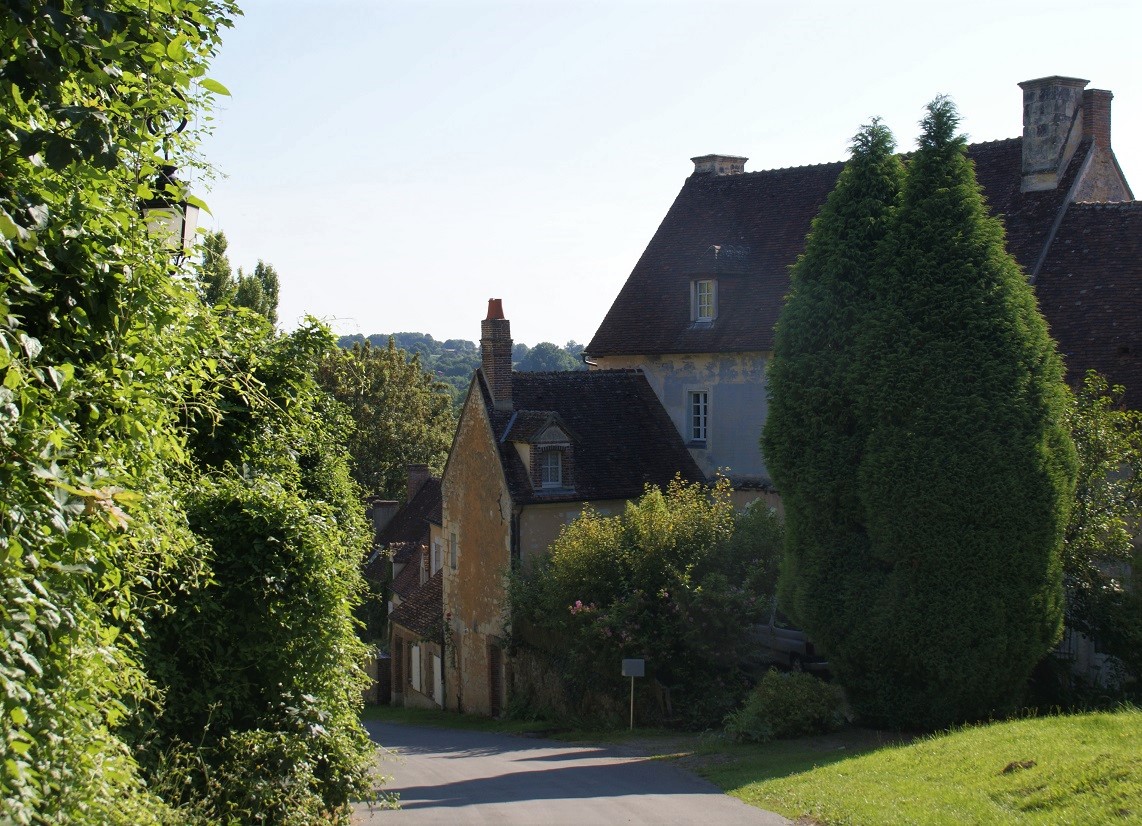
(477, 511)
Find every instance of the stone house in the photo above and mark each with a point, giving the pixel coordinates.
(417, 646)
(406, 560)
(697, 313)
(530, 451)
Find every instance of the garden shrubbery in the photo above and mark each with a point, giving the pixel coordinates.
(675, 579)
(787, 705)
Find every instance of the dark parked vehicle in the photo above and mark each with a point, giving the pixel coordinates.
(782, 643)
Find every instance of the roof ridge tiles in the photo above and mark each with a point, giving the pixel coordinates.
(796, 167)
(1108, 205)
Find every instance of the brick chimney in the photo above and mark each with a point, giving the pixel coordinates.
(496, 351)
(1096, 116)
(1052, 128)
(719, 165)
(417, 476)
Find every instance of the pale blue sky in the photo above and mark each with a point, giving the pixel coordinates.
(401, 162)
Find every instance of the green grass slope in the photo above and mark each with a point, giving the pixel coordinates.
(1071, 770)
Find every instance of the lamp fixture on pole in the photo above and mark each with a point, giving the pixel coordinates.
(172, 222)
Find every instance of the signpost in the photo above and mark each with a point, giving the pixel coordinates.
(632, 669)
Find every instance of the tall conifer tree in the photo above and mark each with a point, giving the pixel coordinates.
(967, 470)
(812, 440)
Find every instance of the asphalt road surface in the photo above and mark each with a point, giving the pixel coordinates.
(459, 777)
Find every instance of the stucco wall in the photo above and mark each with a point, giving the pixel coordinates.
(737, 404)
(477, 508)
(539, 525)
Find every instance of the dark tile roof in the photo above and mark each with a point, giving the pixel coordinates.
(1087, 276)
(423, 612)
(622, 439)
(377, 566)
(1090, 290)
(408, 580)
(409, 525)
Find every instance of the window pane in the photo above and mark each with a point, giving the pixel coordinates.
(552, 469)
(698, 412)
(704, 300)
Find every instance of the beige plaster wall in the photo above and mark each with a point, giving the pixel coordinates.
(737, 404)
(539, 525)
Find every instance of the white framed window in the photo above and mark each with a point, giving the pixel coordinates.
(704, 300)
(437, 556)
(697, 415)
(551, 469)
(453, 549)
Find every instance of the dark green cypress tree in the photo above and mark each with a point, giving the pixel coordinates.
(812, 440)
(967, 471)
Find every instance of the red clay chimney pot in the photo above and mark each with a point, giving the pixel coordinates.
(495, 308)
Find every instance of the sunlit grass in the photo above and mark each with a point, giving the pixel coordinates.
(1073, 769)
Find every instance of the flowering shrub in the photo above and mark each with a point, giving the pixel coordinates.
(669, 580)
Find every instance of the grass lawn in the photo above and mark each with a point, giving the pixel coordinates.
(1075, 769)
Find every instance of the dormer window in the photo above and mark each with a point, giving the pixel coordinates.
(551, 469)
(547, 451)
(703, 299)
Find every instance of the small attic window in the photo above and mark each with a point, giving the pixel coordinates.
(703, 299)
(551, 469)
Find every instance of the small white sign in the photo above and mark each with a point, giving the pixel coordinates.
(634, 668)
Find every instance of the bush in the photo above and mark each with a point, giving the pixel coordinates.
(786, 705)
(664, 581)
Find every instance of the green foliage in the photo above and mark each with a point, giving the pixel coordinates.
(931, 576)
(215, 278)
(1098, 548)
(454, 361)
(259, 291)
(402, 415)
(260, 663)
(107, 365)
(785, 705)
(97, 356)
(217, 284)
(661, 581)
(546, 356)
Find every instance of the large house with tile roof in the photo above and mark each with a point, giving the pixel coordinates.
(697, 313)
(531, 451)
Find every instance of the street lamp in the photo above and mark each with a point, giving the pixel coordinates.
(171, 222)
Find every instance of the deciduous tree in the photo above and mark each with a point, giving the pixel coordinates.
(665, 581)
(1099, 551)
(97, 359)
(401, 414)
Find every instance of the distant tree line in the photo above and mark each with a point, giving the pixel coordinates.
(454, 360)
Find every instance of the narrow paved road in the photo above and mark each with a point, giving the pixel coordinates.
(459, 777)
